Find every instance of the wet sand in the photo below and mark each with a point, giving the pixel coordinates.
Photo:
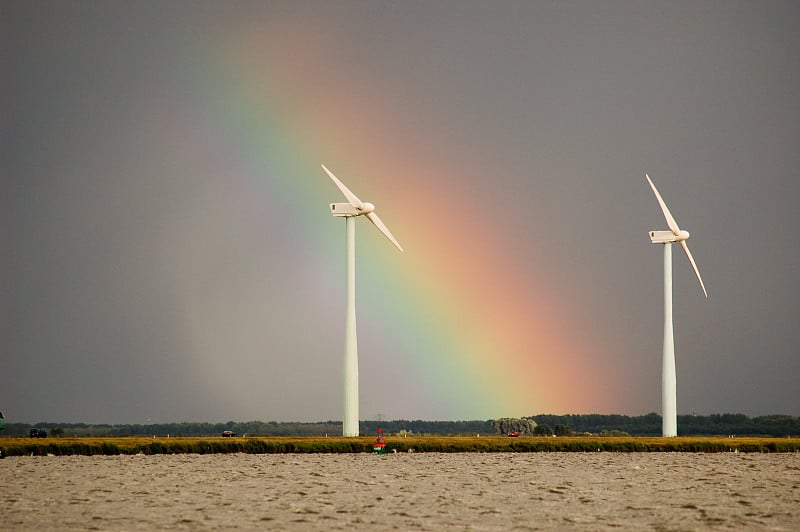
(409, 491)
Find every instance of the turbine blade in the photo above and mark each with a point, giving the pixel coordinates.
(685, 247)
(352, 198)
(372, 217)
(673, 225)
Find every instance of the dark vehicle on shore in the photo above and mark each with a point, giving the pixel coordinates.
(37, 433)
(228, 434)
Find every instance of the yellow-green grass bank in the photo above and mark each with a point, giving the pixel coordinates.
(447, 444)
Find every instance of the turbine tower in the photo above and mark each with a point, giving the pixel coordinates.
(354, 207)
(669, 420)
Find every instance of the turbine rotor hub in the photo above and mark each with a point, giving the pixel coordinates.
(366, 209)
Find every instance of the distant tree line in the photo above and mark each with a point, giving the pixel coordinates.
(543, 424)
(688, 425)
(255, 428)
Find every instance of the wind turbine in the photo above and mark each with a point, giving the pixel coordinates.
(354, 207)
(669, 420)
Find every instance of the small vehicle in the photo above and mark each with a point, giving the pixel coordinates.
(37, 433)
(514, 434)
(228, 434)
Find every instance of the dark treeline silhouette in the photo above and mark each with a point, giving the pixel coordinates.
(255, 428)
(688, 425)
(543, 424)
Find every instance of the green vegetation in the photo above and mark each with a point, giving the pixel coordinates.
(211, 445)
(508, 425)
(445, 444)
(256, 428)
(688, 425)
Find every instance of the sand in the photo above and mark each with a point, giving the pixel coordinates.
(408, 491)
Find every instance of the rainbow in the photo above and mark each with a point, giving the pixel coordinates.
(465, 321)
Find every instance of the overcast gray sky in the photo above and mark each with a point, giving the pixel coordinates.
(167, 253)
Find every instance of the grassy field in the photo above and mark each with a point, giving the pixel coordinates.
(456, 444)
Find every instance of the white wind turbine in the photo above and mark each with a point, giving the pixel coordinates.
(669, 422)
(349, 211)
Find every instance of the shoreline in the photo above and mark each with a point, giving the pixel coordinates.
(121, 445)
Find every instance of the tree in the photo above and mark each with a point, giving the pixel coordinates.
(507, 425)
(562, 430)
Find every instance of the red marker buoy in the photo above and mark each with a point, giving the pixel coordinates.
(379, 447)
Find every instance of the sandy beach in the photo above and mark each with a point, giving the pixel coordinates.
(408, 491)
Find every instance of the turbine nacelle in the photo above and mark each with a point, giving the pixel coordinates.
(348, 209)
(666, 237)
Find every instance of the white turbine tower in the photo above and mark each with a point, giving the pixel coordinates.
(669, 422)
(349, 211)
